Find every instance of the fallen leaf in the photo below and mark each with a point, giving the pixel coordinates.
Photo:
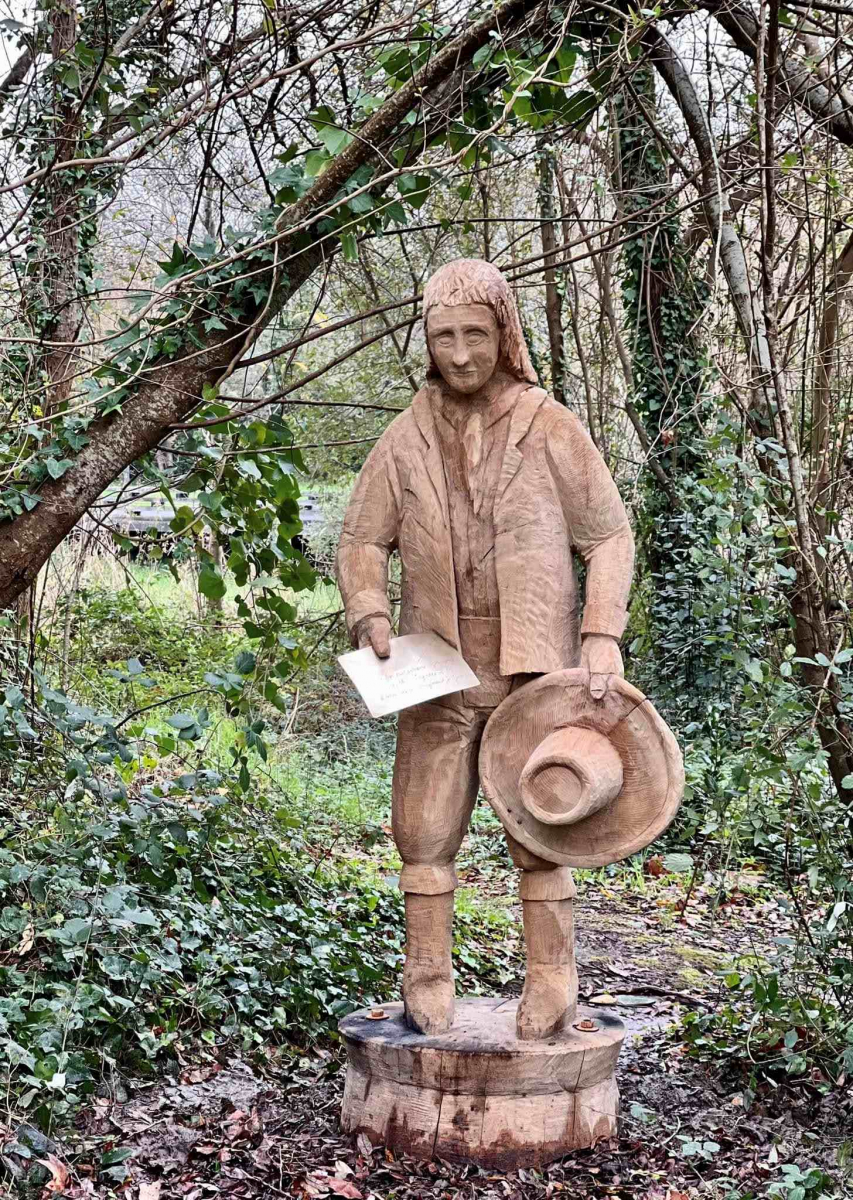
(58, 1172)
(314, 1185)
(241, 1126)
(200, 1074)
(149, 1191)
(343, 1187)
(340, 1187)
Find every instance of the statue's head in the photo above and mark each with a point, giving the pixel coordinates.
(472, 327)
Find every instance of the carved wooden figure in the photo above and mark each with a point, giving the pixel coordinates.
(488, 489)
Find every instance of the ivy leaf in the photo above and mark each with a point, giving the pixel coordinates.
(139, 916)
(249, 468)
(119, 1155)
(579, 109)
(181, 721)
(414, 189)
(56, 468)
(754, 671)
(210, 583)
(678, 864)
(349, 247)
(333, 137)
(838, 911)
(75, 931)
(173, 266)
(315, 161)
(244, 663)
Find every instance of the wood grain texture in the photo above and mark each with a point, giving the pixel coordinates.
(477, 1094)
(554, 495)
(652, 768)
(488, 490)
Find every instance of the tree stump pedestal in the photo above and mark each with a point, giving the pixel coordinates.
(476, 1093)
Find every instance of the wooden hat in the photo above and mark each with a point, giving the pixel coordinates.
(581, 782)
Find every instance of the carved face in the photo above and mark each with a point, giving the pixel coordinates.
(464, 340)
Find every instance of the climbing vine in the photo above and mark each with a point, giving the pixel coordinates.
(675, 394)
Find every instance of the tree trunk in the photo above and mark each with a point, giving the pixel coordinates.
(61, 286)
(553, 299)
(807, 598)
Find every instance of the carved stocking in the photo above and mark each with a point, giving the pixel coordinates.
(428, 988)
(550, 997)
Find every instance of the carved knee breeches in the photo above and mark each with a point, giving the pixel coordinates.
(434, 791)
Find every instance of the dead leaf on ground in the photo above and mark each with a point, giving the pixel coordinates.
(242, 1126)
(59, 1175)
(332, 1183)
(149, 1191)
(200, 1074)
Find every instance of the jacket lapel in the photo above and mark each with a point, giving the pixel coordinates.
(422, 411)
(444, 618)
(526, 407)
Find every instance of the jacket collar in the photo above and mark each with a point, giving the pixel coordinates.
(422, 412)
(526, 406)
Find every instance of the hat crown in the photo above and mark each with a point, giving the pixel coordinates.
(572, 773)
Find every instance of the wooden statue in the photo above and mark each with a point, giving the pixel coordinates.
(487, 489)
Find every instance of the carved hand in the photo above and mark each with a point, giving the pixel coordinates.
(375, 632)
(600, 655)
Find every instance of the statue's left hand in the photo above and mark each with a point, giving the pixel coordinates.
(600, 655)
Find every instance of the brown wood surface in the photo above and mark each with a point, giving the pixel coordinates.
(653, 772)
(477, 1093)
(488, 491)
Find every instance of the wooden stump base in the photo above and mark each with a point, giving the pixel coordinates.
(477, 1094)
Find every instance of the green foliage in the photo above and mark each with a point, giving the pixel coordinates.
(689, 602)
(712, 643)
(766, 1030)
(131, 925)
(798, 1184)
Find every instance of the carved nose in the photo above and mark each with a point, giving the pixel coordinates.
(570, 775)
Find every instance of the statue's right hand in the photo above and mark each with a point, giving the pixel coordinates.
(376, 632)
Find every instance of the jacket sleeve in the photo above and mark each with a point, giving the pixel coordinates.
(369, 536)
(597, 523)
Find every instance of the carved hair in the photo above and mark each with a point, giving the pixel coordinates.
(474, 281)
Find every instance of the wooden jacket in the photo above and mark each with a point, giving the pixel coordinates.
(555, 495)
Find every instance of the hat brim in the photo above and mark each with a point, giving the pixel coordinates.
(653, 771)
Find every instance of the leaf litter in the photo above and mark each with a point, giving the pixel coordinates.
(267, 1125)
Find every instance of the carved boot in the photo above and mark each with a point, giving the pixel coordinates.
(550, 998)
(428, 988)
